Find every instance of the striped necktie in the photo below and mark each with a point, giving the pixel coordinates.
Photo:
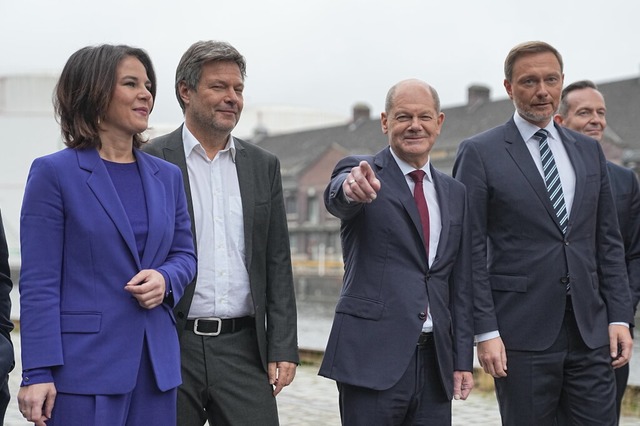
(552, 180)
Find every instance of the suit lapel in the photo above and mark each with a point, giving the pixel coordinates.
(442, 192)
(156, 201)
(396, 183)
(520, 154)
(574, 152)
(102, 187)
(247, 194)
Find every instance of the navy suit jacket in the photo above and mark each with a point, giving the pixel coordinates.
(78, 253)
(626, 193)
(381, 309)
(267, 253)
(521, 257)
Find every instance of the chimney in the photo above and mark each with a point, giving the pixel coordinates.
(477, 94)
(361, 112)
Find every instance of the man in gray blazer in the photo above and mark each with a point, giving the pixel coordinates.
(552, 305)
(582, 108)
(401, 345)
(237, 320)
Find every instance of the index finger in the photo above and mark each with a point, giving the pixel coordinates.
(369, 175)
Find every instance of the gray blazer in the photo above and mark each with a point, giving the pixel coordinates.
(268, 256)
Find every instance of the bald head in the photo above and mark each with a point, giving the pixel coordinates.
(411, 84)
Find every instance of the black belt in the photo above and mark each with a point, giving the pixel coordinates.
(213, 326)
(424, 338)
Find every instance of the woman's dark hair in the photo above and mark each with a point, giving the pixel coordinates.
(85, 88)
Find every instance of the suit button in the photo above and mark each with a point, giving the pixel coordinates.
(564, 280)
(422, 316)
(566, 243)
(181, 315)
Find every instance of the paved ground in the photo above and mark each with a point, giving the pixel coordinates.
(312, 400)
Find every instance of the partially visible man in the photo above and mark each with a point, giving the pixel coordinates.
(237, 320)
(550, 284)
(6, 347)
(401, 345)
(582, 108)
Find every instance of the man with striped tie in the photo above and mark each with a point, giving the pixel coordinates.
(552, 306)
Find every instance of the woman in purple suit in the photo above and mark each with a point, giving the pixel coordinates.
(106, 252)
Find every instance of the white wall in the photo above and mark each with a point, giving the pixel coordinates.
(27, 130)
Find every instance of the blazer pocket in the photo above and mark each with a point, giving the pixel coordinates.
(517, 283)
(80, 322)
(359, 307)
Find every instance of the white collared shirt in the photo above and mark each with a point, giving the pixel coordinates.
(222, 286)
(435, 220)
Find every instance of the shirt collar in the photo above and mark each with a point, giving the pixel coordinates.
(190, 143)
(527, 130)
(406, 168)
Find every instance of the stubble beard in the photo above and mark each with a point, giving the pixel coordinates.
(528, 114)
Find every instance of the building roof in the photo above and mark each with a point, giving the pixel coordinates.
(364, 136)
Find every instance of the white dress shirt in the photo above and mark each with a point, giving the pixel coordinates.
(222, 286)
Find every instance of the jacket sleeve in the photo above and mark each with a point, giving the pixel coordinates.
(281, 311)
(469, 169)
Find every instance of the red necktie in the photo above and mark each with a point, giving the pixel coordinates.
(421, 202)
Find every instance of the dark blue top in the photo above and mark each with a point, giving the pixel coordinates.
(128, 184)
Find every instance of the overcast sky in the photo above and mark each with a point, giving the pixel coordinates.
(331, 54)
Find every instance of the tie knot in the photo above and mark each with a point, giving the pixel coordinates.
(417, 175)
(542, 134)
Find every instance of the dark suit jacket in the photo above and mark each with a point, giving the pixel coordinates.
(268, 257)
(624, 184)
(521, 257)
(6, 348)
(380, 313)
(78, 253)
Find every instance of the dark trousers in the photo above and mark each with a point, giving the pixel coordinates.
(569, 382)
(5, 397)
(146, 405)
(417, 399)
(622, 378)
(223, 381)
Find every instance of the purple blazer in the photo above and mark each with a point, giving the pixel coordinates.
(78, 252)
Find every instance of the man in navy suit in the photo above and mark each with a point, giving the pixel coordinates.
(551, 294)
(401, 345)
(582, 108)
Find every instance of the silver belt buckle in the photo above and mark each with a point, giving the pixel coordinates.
(214, 333)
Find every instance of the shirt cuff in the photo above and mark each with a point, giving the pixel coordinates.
(619, 323)
(482, 337)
